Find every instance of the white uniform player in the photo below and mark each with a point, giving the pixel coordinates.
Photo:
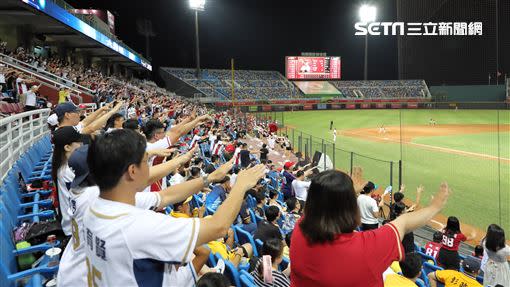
(129, 246)
(334, 135)
(73, 270)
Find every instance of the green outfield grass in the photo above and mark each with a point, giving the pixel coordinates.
(476, 182)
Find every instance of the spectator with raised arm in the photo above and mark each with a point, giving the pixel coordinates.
(448, 256)
(327, 231)
(118, 162)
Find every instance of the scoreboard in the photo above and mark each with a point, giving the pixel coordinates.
(310, 68)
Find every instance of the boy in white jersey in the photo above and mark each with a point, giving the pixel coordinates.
(83, 191)
(128, 246)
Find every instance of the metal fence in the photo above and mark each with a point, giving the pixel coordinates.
(386, 172)
(19, 132)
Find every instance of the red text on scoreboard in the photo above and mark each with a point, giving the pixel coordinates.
(297, 68)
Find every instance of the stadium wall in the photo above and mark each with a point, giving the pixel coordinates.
(474, 93)
(359, 105)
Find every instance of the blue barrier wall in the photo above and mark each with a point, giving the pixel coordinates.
(479, 93)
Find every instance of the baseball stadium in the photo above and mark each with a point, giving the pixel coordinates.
(216, 143)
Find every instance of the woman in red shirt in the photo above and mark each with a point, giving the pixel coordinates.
(448, 256)
(325, 249)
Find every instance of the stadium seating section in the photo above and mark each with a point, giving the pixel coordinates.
(248, 85)
(263, 85)
(404, 89)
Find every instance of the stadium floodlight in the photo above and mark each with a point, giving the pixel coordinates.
(367, 13)
(198, 5)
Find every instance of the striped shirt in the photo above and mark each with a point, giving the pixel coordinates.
(279, 279)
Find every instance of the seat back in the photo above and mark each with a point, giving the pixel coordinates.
(245, 237)
(427, 268)
(246, 279)
(7, 258)
(425, 257)
(230, 271)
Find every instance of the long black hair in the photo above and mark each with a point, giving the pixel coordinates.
(495, 238)
(452, 226)
(331, 207)
(57, 161)
(111, 121)
(272, 247)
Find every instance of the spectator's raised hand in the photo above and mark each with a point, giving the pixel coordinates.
(439, 200)
(162, 152)
(118, 106)
(188, 155)
(248, 178)
(205, 118)
(220, 173)
(402, 187)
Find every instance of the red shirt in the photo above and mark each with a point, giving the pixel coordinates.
(230, 148)
(432, 249)
(452, 242)
(355, 259)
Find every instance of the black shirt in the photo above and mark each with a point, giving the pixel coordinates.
(263, 153)
(266, 230)
(245, 157)
(209, 168)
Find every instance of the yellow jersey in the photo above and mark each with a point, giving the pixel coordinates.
(452, 278)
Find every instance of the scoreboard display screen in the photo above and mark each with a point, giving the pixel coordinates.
(309, 68)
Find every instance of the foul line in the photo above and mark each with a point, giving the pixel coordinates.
(442, 149)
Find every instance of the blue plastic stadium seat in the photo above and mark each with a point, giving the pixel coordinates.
(427, 268)
(244, 237)
(425, 257)
(259, 244)
(8, 268)
(246, 279)
(230, 271)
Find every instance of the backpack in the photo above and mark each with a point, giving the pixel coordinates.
(20, 232)
(39, 232)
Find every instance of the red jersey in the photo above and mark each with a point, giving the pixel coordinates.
(451, 242)
(432, 249)
(157, 185)
(361, 256)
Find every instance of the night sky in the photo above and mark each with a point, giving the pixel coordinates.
(258, 34)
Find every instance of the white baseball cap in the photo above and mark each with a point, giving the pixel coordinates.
(53, 120)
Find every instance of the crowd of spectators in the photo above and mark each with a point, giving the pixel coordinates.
(210, 189)
(150, 185)
(103, 87)
(390, 89)
(248, 85)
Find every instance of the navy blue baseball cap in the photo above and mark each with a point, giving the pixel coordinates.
(64, 108)
(78, 164)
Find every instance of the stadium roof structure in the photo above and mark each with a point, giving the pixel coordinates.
(73, 31)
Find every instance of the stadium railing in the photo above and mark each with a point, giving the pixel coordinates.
(45, 80)
(18, 133)
(38, 71)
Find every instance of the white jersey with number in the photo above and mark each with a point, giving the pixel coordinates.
(129, 246)
(73, 270)
(64, 178)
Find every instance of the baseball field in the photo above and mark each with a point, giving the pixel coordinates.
(470, 149)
